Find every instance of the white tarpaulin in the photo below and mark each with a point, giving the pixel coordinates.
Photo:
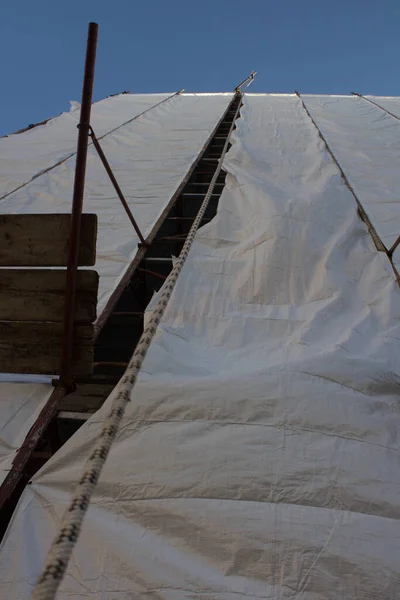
(259, 456)
(25, 156)
(149, 156)
(20, 404)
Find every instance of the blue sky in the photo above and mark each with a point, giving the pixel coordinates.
(314, 46)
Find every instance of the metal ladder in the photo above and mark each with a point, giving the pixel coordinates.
(124, 326)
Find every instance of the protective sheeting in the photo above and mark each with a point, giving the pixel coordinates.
(149, 156)
(366, 142)
(25, 156)
(20, 405)
(259, 457)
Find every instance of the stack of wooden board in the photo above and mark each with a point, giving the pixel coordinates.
(33, 257)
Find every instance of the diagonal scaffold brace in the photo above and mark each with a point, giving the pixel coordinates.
(117, 188)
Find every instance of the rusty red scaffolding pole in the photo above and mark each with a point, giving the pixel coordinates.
(111, 175)
(66, 375)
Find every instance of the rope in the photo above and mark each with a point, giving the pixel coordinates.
(380, 246)
(63, 544)
(391, 250)
(376, 104)
(363, 215)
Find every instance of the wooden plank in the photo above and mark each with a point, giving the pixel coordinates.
(42, 240)
(38, 295)
(27, 347)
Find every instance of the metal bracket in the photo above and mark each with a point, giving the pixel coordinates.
(248, 79)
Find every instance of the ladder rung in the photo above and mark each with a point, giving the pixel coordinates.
(207, 173)
(70, 415)
(204, 183)
(157, 259)
(186, 219)
(197, 195)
